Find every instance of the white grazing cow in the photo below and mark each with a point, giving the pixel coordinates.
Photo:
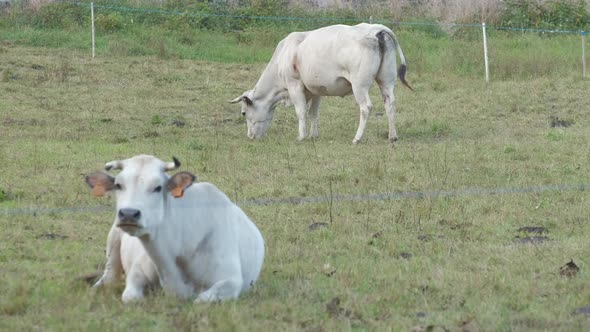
(200, 242)
(335, 60)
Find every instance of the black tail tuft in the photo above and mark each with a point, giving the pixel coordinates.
(401, 73)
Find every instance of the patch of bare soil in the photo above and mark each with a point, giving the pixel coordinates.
(335, 310)
(556, 122)
(430, 328)
(51, 236)
(405, 255)
(582, 311)
(531, 239)
(533, 229)
(317, 225)
(525, 238)
(569, 270)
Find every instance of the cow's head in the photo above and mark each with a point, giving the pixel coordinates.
(258, 113)
(142, 189)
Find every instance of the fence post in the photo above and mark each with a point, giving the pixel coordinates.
(485, 51)
(582, 33)
(92, 19)
(370, 19)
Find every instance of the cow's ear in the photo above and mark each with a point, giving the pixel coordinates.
(178, 183)
(100, 183)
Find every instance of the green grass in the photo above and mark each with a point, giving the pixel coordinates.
(63, 115)
(512, 55)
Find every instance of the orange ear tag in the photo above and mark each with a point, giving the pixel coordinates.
(177, 192)
(98, 190)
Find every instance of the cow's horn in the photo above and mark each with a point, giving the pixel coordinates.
(117, 164)
(173, 165)
(237, 100)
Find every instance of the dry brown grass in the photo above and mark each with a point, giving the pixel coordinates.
(454, 11)
(445, 11)
(35, 4)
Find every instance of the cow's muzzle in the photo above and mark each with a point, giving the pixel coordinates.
(128, 217)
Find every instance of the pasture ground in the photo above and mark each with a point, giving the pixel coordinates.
(406, 264)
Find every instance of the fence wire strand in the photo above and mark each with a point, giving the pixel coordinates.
(392, 196)
(320, 19)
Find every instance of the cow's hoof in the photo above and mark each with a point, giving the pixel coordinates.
(393, 139)
(130, 296)
(355, 141)
(98, 284)
(206, 297)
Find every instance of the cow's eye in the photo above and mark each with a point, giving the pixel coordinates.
(158, 189)
(118, 186)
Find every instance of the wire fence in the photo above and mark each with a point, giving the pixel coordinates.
(331, 20)
(318, 19)
(392, 196)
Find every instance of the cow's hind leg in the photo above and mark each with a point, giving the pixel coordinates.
(113, 267)
(386, 77)
(389, 104)
(361, 94)
(314, 114)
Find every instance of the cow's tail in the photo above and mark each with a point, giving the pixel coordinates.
(401, 71)
(90, 278)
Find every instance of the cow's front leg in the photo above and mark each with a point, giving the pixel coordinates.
(314, 114)
(135, 283)
(297, 96)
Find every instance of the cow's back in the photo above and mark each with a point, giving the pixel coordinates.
(339, 43)
(330, 57)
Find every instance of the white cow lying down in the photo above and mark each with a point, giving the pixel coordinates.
(188, 236)
(335, 60)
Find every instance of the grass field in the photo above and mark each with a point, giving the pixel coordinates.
(455, 263)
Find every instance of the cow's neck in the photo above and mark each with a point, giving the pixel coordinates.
(160, 240)
(269, 87)
(156, 245)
